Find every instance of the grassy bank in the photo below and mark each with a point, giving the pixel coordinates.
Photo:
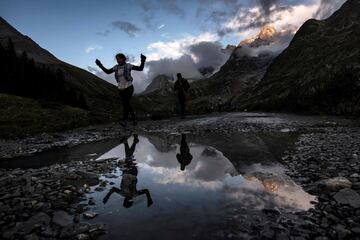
(20, 116)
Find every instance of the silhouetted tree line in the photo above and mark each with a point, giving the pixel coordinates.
(21, 76)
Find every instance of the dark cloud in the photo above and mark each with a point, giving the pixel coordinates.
(266, 5)
(218, 12)
(208, 55)
(104, 33)
(148, 20)
(170, 6)
(150, 9)
(218, 16)
(147, 5)
(127, 27)
(213, 13)
(327, 8)
(170, 67)
(251, 19)
(256, 21)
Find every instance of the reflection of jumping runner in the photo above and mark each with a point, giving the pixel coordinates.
(129, 151)
(184, 157)
(129, 179)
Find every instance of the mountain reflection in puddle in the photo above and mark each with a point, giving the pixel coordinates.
(179, 190)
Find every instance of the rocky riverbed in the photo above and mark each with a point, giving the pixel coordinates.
(52, 202)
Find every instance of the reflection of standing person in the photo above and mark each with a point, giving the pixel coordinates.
(184, 157)
(181, 86)
(129, 179)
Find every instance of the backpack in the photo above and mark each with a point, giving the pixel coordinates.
(127, 73)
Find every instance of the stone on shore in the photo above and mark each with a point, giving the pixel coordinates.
(348, 196)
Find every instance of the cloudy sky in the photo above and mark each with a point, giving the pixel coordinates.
(175, 35)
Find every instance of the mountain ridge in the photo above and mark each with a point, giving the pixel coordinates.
(319, 71)
(101, 95)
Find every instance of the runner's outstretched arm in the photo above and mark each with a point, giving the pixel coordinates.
(141, 67)
(107, 71)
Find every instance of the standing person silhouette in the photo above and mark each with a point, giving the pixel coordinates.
(124, 80)
(184, 157)
(181, 86)
(128, 183)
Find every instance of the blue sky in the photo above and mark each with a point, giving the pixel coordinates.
(80, 31)
(68, 28)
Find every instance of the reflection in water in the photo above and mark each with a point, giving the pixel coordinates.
(129, 177)
(269, 181)
(189, 203)
(184, 157)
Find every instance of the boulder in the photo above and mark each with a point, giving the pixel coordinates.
(348, 196)
(41, 220)
(329, 185)
(62, 218)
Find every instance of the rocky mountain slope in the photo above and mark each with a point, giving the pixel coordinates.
(101, 96)
(235, 78)
(319, 71)
(162, 83)
(40, 93)
(265, 37)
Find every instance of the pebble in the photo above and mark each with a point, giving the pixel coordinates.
(90, 214)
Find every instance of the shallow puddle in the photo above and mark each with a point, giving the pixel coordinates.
(184, 186)
(181, 186)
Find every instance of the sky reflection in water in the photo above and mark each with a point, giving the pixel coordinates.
(187, 183)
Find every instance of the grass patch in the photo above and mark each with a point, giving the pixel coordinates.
(20, 117)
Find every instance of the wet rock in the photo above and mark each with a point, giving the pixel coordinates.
(342, 232)
(110, 175)
(355, 175)
(271, 211)
(62, 218)
(267, 233)
(74, 230)
(77, 218)
(99, 189)
(40, 220)
(91, 201)
(329, 185)
(321, 238)
(90, 215)
(282, 235)
(31, 237)
(356, 230)
(103, 183)
(84, 177)
(82, 236)
(348, 196)
(97, 230)
(49, 232)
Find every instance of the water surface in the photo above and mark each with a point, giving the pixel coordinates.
(183, 187)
